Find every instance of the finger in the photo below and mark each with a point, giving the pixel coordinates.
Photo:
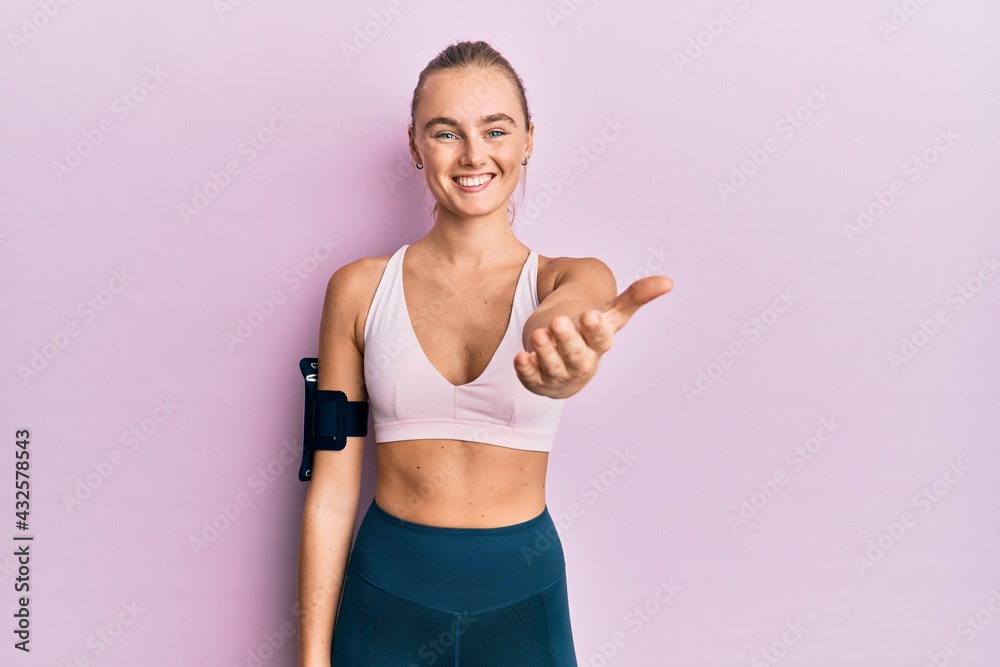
(642, 291)
(550, 362)
(596, 331)
(526, 367)
(572, 348)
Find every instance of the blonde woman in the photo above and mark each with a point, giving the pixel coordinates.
(466, 343)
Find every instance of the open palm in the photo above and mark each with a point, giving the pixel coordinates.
(568, 350)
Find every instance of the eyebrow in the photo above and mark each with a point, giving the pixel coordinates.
(492, 118)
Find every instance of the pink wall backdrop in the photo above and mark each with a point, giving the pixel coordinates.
(791, 459)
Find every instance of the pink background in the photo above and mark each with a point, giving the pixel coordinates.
(661, 134)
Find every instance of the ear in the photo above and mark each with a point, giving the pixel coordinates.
(529, 142)
(413, 146)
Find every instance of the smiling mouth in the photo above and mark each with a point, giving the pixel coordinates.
(473, 181)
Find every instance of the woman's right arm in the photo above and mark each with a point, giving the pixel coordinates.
(331, 502)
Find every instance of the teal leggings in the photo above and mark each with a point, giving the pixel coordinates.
(418, 595)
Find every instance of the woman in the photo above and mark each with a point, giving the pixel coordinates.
(465, 342)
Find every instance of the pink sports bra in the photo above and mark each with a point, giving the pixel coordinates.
(411, 400)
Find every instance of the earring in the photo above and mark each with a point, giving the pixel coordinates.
(525, 161)
(419, 166)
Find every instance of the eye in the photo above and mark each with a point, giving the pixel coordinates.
(501, 132)
(440, 135)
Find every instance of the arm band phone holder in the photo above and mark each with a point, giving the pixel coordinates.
(328, 420)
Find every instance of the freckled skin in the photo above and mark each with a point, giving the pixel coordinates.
(459, 483)
(470, 484)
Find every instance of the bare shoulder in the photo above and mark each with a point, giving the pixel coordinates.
(350, 292)
(554, 271)
(352, 279)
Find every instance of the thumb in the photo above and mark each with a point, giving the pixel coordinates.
(619, 310)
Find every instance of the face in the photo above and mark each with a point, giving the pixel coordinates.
(469, 134)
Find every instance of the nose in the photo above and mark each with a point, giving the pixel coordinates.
(473, 152)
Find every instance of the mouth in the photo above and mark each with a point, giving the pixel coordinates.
(474, 183)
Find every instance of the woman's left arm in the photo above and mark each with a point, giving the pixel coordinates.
(575, 324)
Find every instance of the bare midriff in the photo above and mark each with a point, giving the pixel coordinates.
(459, 484)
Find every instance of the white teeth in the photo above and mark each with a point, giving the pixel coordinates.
(473, 182)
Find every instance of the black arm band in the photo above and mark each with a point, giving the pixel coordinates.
(328, 419)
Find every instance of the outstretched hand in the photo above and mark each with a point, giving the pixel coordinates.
(568, 350)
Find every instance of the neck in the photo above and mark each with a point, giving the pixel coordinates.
(471, 243)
